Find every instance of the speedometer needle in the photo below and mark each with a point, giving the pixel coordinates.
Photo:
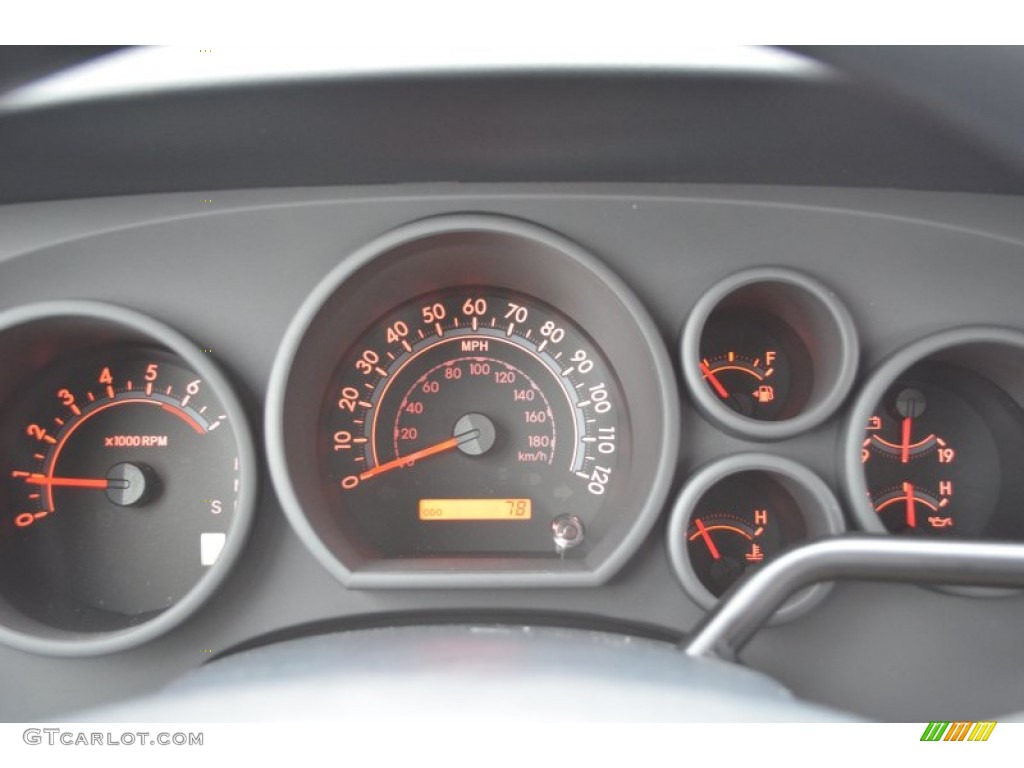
(433, 450)
(722, 391)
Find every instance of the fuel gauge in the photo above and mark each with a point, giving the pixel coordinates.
(755, 365)
(768, 353)
(739, 513)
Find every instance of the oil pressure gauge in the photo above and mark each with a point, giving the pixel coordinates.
(940, 441)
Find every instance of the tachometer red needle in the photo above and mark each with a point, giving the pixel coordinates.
(905, 444)
(69, 482)
(401, 461)
(722, 391)
(911, 507)
(707, 538)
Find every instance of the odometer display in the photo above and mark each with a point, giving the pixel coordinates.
(472, 398)
(476, 509)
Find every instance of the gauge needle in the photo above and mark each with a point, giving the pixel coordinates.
(707, 539)
(68, 482)
(908, 489)
(433, 450)
(722, 391)
(905, 445)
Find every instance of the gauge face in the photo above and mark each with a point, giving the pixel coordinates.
(939, 455)
(738, 525)
(768, 353)
(472, 401)
(121, 487)
(474, 421)
(754, 364)
(739, 513)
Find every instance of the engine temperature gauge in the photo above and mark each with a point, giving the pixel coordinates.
(725, 540)
(740, 513)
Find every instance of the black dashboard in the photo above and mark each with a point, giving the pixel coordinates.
(278, 238)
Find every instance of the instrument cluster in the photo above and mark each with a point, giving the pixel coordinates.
(477, 401)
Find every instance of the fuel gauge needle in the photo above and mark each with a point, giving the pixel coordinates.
(707, 539)
(722, 391)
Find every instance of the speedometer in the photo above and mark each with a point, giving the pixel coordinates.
(473, 421)
(470, 401)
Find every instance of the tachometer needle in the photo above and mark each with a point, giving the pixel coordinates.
(433, 450)
(722, 391)
(707, 539)
(68, 482)
(908, 489)
(905, 444)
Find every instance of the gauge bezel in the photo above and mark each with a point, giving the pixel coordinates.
(66, 326)
(974, 344)
(817, 505)
(443, 253)
(813, 312)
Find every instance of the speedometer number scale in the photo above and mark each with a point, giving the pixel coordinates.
(466, 422)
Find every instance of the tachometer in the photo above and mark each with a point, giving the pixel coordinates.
(472, 401)
(127, 478)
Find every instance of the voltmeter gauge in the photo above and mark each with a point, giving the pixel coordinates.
(931, 452)
(741, 512)
(934, 444)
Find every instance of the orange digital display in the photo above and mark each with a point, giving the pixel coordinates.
(475, 509)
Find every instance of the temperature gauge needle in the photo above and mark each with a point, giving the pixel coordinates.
(707, 539)
(722, 391)
(908, 489)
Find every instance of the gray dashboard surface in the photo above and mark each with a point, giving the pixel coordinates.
(229, 269)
